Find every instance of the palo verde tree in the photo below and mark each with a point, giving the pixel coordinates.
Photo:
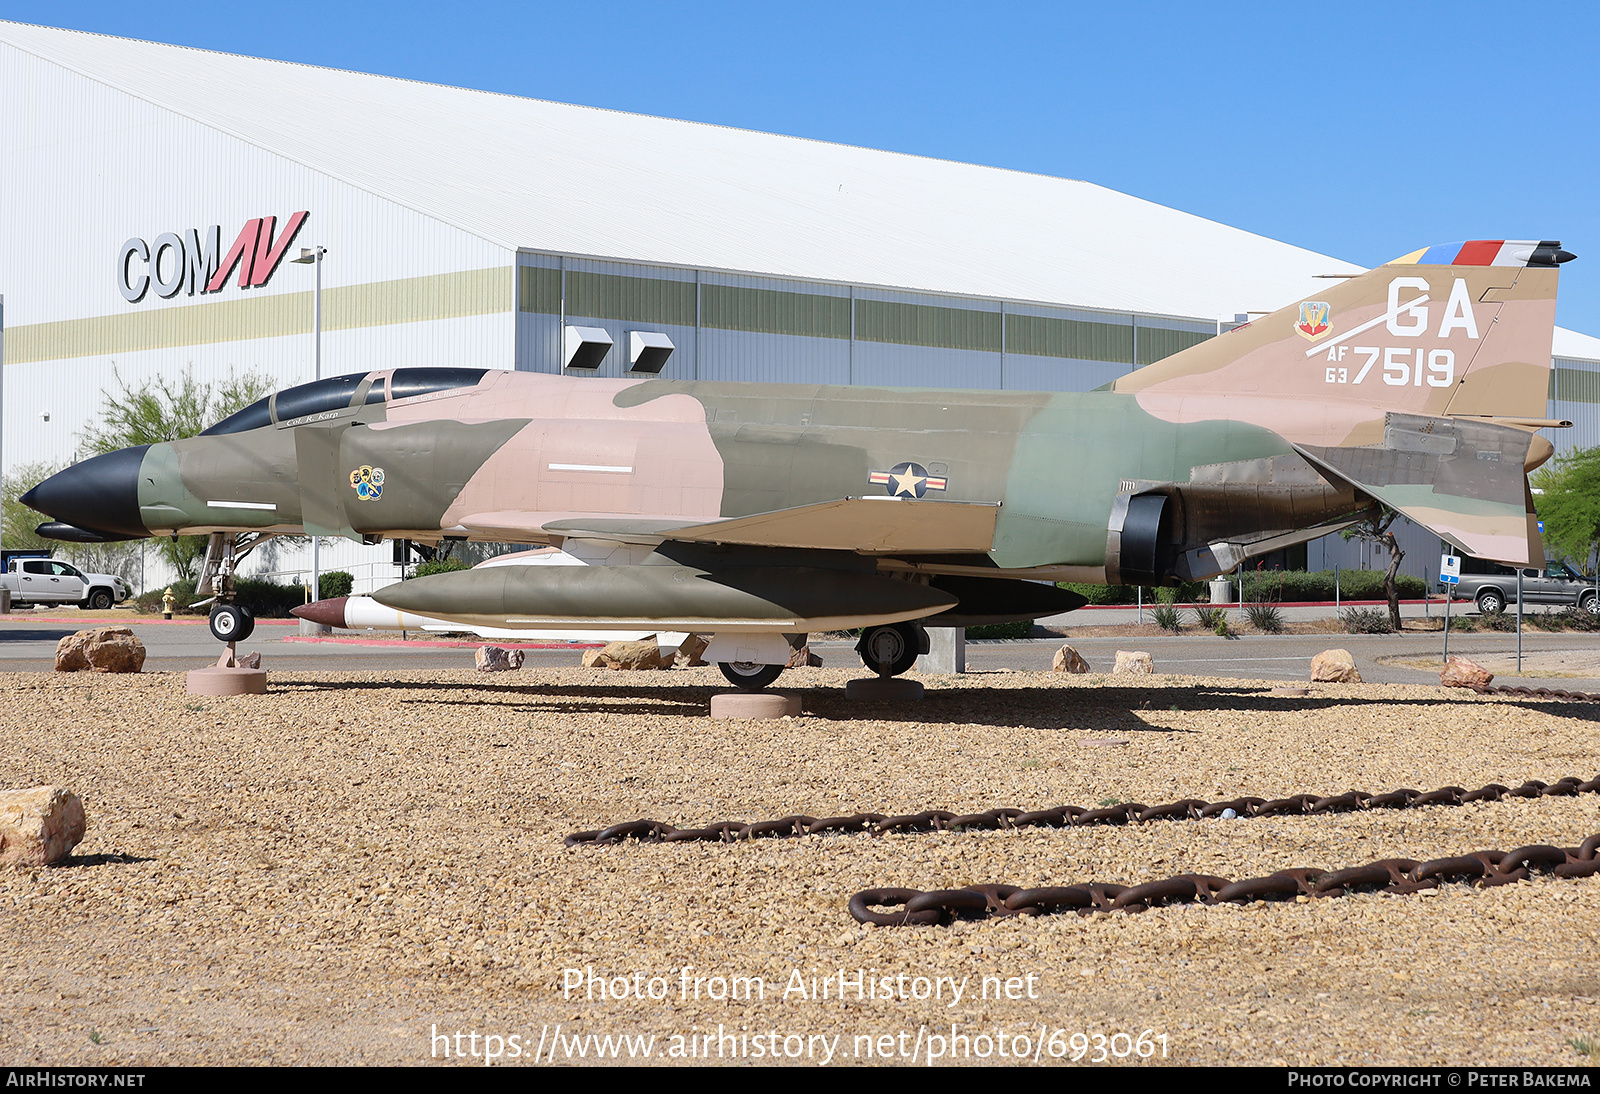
(1569, 503)
(1378, 527)
(164, 409)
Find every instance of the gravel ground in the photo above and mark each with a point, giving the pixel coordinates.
(352, 869)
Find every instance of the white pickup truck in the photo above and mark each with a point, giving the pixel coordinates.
(46, 581)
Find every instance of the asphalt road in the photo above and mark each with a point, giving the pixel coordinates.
(28, 645)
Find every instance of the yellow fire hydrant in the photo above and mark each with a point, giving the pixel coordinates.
(168, 603)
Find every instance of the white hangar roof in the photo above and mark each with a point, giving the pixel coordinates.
(525, 173)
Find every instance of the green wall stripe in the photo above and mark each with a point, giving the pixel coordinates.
(344, 307)
(630, 299)
(774, 311)
(1577, 385)
(1042, 336)
(927, 325)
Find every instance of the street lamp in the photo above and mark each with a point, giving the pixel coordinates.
(312, 256)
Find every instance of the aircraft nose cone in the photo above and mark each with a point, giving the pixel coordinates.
(100, 494)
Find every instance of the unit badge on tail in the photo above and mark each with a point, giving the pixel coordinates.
(1316, 319)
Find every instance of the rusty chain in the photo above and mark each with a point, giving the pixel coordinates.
(1399, 876)
(1536, 693)
(1063, 816)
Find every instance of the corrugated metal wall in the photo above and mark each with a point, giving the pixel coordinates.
(738, 327)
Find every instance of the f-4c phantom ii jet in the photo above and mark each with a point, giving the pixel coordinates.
(751, 512)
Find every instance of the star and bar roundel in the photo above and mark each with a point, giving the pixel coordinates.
(907, 480)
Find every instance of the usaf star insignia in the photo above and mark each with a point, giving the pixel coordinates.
(907, 480)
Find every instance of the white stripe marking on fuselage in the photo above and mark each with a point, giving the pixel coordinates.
(591, 467)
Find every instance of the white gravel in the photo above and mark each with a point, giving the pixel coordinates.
(338, 871)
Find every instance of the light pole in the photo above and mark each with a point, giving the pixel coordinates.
(312, 256)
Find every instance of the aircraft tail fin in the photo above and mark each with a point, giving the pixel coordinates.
(1458, 329)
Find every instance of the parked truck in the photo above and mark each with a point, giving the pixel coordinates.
(49, 581)
(1494, 586)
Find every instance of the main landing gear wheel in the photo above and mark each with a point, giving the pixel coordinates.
(1491, 601)
(231, 623)
(749, 675)
(890, 649)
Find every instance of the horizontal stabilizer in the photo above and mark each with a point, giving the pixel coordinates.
(1463, 480)
(867, 525)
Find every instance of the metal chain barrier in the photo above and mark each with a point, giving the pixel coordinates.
(1537, 693)
(1064, 816)
(1399, 876)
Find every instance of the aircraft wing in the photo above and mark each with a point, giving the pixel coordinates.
(868, 525)
(1464, 480)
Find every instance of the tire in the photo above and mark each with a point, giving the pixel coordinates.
(748, 675)
(891, 649)
(231, 623)
(1491, 601)
(1589, 601)
(100, 600)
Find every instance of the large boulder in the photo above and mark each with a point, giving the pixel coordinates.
(1334, 667)
(497, 659)
(1459, 672)
(102, 649)
(1134, 663)
(39, 825)
(1070, 660)
(629, 656)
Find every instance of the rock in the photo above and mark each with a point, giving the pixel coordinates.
(1068, 659)
(248, 661)
(497, 659)
(803, 658)
(689, 651)
(629, 656)
(1459, 672)
(1135, 663)
(103, 649)
(1334, 667)
(39, 826)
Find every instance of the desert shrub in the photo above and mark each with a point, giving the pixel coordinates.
(1464, 623)
(1169, 617)
(1210, 617)
(1020, 628)
(265, 599)
(1265, 618)
(334, 583)
(1297, 586)
(1497, 621)
(1365, 621)
(444, 566)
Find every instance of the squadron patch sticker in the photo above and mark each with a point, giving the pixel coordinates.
(367, 482)
(1316, 319)
(907, 480)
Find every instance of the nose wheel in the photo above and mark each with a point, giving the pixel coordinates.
(748, 675)
(892, 648)
(231, 623)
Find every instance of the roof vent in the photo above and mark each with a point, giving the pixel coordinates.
(648, 350)
(585, 347)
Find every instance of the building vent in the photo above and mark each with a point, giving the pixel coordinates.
(585, 347)
(648, 350)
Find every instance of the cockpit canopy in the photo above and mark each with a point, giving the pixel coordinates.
(340, 392)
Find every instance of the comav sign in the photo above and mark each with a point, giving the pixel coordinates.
(172, 263)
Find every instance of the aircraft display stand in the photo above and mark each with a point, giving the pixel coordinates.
(755, 705)
(894, 688)
(227, 677)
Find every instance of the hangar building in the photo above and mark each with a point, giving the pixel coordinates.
(153, 197)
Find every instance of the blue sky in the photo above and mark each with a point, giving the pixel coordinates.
(1362, 130)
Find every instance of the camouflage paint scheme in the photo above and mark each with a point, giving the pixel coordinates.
(1418, 384)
